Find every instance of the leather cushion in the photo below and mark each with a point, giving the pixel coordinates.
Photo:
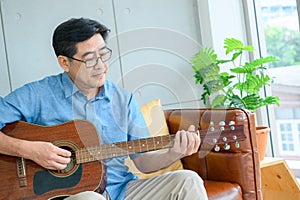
(217, 190)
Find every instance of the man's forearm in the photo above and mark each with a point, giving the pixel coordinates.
(12, 146)
(153, 161)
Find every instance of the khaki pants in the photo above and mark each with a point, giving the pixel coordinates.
(88, 195)
(178, 185)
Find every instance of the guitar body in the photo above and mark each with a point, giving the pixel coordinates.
(24, 179)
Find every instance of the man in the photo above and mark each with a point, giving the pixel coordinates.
(82, 92)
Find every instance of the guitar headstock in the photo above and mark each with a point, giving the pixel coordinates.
(223, 134)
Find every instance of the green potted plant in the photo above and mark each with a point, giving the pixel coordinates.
(232, 82)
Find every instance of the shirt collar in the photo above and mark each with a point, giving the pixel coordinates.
(103, 93)
(71, 88)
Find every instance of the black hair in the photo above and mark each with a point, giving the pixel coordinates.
(69, 33)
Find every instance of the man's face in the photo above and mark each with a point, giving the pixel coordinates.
(91, 78)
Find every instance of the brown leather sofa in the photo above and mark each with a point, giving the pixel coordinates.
(228, 174)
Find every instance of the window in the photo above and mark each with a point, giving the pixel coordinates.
(286, 138)
(282, 39)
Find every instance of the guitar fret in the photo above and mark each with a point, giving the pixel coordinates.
(118, 150)
(140, 145)
(150, 144)
(98, 154)
(158, 142)
(121, 150)
(130, 148)
(147, 145)
(161, 141)
(106, 151)
(113, 150)
(103, 151)
(143, 145)
(89, 153)
(154, 144)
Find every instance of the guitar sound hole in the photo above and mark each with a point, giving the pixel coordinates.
(71, 166)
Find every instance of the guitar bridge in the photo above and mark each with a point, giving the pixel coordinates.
(21, 171)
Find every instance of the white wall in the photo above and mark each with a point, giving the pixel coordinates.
(152, 41)
(4, 81)
(223, 19)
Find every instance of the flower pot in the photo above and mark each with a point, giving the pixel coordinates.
(262, 133)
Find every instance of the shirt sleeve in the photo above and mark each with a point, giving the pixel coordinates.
(18, 105)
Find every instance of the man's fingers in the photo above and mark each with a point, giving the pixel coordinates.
(63, 152)
(191, 128)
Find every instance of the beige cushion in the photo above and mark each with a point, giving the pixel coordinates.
(156, 123)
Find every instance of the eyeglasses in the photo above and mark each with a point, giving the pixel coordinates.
(94, 61)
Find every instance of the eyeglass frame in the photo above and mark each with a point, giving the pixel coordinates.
(97, 59)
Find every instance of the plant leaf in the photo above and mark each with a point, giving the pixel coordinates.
(271, 100)
(253, 83)
(232, 44)
(219, 101)
(236, 55)
(205, 57)
(247, 68)
(248, 48)
(236, 101)
(252, 102)
(264, 60)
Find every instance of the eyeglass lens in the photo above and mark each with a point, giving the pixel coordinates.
(94, 61)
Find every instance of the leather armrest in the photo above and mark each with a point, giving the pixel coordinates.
(237, 165)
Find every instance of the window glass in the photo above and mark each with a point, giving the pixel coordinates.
(282, 40)
(284, 113)
(297, 113)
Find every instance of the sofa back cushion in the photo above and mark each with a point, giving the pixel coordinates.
(157, 126)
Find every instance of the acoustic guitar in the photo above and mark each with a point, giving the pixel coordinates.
(24, 179)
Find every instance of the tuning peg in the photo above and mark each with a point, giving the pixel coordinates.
(212, 128)
(237, 144)
(226, 146)
(222, 124)
(215, 140)
(231, 123)
(217, 148)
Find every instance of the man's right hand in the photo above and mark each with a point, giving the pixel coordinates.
(48, 155)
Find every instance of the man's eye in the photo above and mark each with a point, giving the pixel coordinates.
(90, 59)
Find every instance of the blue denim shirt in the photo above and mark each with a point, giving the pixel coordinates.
(55, 99)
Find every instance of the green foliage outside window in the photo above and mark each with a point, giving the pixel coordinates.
(284, 44)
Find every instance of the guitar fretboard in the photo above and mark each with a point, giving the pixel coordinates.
(212, 136)
(105, 151)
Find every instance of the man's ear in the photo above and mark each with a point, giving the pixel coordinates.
(64, 63)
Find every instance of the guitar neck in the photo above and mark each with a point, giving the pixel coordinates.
(213, 136)
(105, 151)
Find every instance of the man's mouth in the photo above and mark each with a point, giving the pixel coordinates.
(98, 75)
